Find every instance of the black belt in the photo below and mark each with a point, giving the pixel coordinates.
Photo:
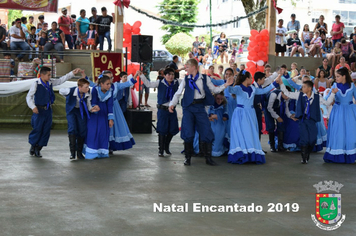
(198, 101)
(162, 107)
(44, 107)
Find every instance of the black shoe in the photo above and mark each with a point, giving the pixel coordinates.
(304, 152)
(111, 152)
(167, 142)
(272, 142)
(37, 151)
(201, 149)
(207, 153)
(280, 142)
(32, 150)
(264, 151)
(188, 147)
(80, 145)
(161, 144)
(72, 145)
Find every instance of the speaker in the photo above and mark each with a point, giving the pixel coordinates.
(139, 121)
(141, 48)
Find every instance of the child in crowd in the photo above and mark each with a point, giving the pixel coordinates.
(315, 45)
(242, 67)
(32, 41)
(198, 94)
(294, 71)
(40, 98)
(218, 116)
(41, 41)
(241, 48)
(221, 71)
(124, 95)
(167, 123)
(92, 37)
(234, 52)
(216, 50)
(337, 52)
(77, 108)
(74, 28)
(40, 24)
(268, 70)
(307, 44)
(12, 62)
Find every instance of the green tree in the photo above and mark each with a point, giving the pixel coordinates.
(182, 11)
(12, 15)
(258, 21)
(180, 44)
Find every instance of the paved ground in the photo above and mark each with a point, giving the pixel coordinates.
(115, 196)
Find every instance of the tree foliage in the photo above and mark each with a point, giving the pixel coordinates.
(12, 15)
(182, 11)
(258, 21)
(180, 44)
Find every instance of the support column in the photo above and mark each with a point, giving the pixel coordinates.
(271, 22)
(119, 28)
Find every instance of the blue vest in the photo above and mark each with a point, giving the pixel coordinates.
(276, 103)
(120, 94)
(72, 100)
(162, 89)
(314, 107)
(188, 97)
(42, 95)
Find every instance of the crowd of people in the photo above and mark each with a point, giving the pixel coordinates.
(222, 115)
(79, 33)
(317, 42)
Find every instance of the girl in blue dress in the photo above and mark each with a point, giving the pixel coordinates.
(291, 135)
(341, 144)
(120, 137)
(245, 145)
(218, 116)
(100, 122)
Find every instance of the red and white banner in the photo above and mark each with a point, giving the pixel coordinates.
(106, 61)
(31, 5)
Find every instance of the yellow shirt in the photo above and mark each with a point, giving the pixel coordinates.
(29, 26)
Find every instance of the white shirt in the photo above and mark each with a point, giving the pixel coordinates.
(271, 100)
(199, 84)
(155, 84)
(15, 30)
(30, 98)
(65, 91)
(279, 39)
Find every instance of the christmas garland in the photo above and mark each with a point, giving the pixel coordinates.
(168, 22)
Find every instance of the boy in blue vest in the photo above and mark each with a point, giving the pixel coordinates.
(78, 107)
(198, 90)
(40, 98)
(308, 114)
(276, 115)
(167, 123)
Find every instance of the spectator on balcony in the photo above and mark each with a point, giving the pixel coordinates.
(82, 25)
(337, 30)
(321, 26)
(56, 40)
(93, 19)
(347, 51)
(3, 43)
(18, 39)
(103, 28)
(280, 38)
(65, 23)
(40, 24)
(294, 45)
(23, 24)
(30, 23)
(74, 31)
(352, 34)
(305, 34)
(293, 24)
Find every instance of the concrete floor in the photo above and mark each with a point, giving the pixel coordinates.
(115, 196)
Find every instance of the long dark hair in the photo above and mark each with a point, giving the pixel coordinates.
(243, 75)
(102, 79)
(345, 72)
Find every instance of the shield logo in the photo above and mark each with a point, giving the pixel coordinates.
(328, 208)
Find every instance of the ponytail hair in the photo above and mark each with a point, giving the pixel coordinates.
(345, 72)
(243, 75)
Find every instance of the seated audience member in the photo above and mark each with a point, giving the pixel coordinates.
(56, 40)
(18, 39)
(294, 45)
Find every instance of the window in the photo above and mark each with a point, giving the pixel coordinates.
(236, 24)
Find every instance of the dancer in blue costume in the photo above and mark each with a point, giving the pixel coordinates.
(322, 134)
(120, 137)
(341, 145)
(218, 116)
(167, 123)
(308, 114)
(245, 145)
(291, 135)
(100, 122)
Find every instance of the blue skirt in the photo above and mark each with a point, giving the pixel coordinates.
(341, 143)
(218, 127)
(120, 136)
(291, 135)
(245, 144)
(321, 137)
